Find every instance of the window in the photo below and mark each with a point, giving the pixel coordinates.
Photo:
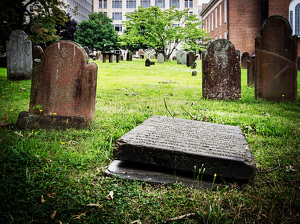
(216, 19)
(212, 21)
(174, 3)
(220, 15)
(208, 23)
(104, 3)
(131, 4)
(225, 11)
(118, 27)
(117, 16)
(291, 19)
(297, 20)
(31, 8)
(117, 4)
(145, 3)
(225, 35)
(188, 3)
(100, 4)
(160, 3)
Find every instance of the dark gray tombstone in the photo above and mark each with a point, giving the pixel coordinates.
(147, 63)
(111, 58)
(19, 56)
(160, 58)
(194, 65)
(245, 58)
(129, 56)
(194, 73)
(190, 58)
(276, 53)
(221, 71)
(37, 52)
(188, 145)
(251, 71)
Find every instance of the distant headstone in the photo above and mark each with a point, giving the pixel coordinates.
(98, 55)
(179, 57)
(152, 57)
(188, 145)
(194, 65)
(160, 58)
(152, 63)
(184, 58)
(147, 63)
(37, 52)
(129, 56)
(19, 56)
(121, 57)
(87, 50)
(194, 73)
(251, 71)
(221, 71)
(245, 58)
(43, 45)
(66, 83)
(276, 61)
(111, 58)
(197, 57)
(190, 59)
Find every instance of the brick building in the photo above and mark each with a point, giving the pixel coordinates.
(241, 21)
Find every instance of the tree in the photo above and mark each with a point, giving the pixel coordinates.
(67, 31)
(38, 22)
(160, 30)
(97, 32)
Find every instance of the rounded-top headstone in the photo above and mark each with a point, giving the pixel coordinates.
(19, 56)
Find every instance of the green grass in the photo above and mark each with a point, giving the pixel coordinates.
(63, 171)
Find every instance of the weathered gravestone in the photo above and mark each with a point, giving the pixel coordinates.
(194, 73)
(251, 71)
(187, 145)
(19, 56)
(160, 58)
(190, 58)
(181, 57)
(174, 58)
(43, 45)
(37, 52)
(152, 57)
(194, 65)
(245, 58)
(147, 63)
(276, 61)
(63, 91)
(221, 71)
(87, 50)
(129, 56)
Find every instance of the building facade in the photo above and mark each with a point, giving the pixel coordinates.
(241, 21)
(79, 9)
(116, 9)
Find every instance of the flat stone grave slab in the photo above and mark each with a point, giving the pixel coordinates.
(188, 145)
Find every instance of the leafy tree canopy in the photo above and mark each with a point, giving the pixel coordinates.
(162, 31)
(97, 32)
(66, 31)
(38, 23)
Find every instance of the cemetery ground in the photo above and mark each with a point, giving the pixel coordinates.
(58, 176)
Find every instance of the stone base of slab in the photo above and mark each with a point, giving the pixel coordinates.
(28, 120)
(161, 175)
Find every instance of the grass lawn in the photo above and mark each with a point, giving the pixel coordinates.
(58, 176)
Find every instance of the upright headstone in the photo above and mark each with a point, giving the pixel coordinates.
(129, 56)
(147, 63)
(245, 58)
(19, 56)
(160, 58)
(184, 58)
(37, 52)
(111, 58)
(221, 71)
(251, 71)
(174, 58)
(194, 65)
(43, 45)
(190, 59)
(66, 84)
(276, 61)
(87, 50)
(179, 57)
(152, 57)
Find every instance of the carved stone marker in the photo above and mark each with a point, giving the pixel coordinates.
(194, 65)
(251, 71)
(129, 56)
(160, 58)
(181, 57)
(19, 56)
(185, 145)
(221, 71)
(87, 50)
(37, 52)
(190, 59)
(245, 58)
(147, 63)
(276, 61)
(66, 83)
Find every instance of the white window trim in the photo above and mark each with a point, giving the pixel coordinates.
(220, 14)
(225, 11)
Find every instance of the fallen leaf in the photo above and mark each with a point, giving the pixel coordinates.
(110, 195)
(53, 215)
(136, 221)
(19, 133)
(79, 216)
(51, 195)
(94, 205)
(42, 199)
